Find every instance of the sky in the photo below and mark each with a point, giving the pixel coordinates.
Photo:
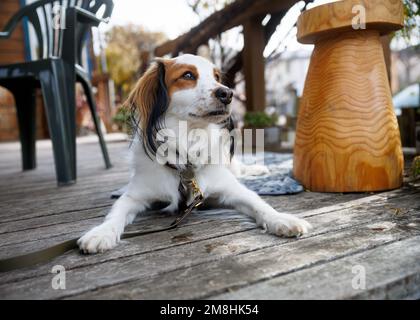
(172, 17)
(175, 17)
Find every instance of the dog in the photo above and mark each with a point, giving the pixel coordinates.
(186, 89)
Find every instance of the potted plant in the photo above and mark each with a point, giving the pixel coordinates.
(122, 120)
(262, 120)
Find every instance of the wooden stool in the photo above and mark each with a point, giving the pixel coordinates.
(347, 137)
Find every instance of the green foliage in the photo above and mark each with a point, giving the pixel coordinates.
(415, 169)
(412, 17)
(125, 45)
(259, 120)
(122, 119)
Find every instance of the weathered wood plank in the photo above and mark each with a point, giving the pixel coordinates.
(88, 156)
(115, 179)
(40, 233)
(45, 160)
(194, 230)
(194, 260)
(29, 225)
(21, 212)
(94, 197)
(27, 210)
(207, 279)
(392, 272)
(38, 237)
(43, 173)
(263, 249)
(34, 238)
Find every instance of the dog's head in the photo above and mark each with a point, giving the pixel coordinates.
(188, 87)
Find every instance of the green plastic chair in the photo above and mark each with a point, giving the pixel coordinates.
(55, 72)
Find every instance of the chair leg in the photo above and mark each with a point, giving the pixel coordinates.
(59, 119)
(92, 106)
(26, 115)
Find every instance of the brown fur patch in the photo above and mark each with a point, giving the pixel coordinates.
(144, 93)
(173, 79)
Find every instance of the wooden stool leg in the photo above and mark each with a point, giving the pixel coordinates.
(347, 137)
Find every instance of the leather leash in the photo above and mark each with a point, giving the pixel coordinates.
(188, 187)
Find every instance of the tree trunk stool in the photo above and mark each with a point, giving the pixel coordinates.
(347, 136)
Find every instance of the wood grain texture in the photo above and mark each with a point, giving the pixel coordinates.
(384, 16)
(255, 259)
(315, 283)
(347, 137)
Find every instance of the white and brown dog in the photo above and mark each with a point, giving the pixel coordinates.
(183, 89)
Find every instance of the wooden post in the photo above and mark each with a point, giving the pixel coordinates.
(407, 123)
(347, 137)
(254, 64)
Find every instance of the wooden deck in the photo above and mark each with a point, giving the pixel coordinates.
(216, 254)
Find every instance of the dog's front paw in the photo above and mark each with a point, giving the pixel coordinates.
(99, 239)
(286, 225)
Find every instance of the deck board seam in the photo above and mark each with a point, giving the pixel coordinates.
(57, 214)
(124, 257)
(310, 265)
(306, 267)
(334, 208)
(246, 230)
(332, 231)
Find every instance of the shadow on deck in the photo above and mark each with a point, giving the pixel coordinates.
(217, 253)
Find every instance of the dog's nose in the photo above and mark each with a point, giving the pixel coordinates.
(224, 95)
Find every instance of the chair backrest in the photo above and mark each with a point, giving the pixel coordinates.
(47, 18)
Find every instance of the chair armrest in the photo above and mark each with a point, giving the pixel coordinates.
(88, 17)
(82, 15)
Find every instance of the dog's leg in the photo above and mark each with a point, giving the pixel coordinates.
(107, 235)
(244, 200)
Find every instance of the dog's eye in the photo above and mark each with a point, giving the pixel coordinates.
(217, 77)
(188, 76)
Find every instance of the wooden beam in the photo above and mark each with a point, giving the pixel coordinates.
(254, 65)
(233, 15)
(260, 8)
(235, 64)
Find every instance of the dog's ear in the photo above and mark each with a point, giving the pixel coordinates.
(148, 102)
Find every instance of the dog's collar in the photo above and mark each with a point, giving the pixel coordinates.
(190, 192)
(189, 189)
(187, 178)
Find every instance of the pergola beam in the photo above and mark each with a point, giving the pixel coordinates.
(233, 15)
(236, 63)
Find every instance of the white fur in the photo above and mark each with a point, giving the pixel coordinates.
(152, 181)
